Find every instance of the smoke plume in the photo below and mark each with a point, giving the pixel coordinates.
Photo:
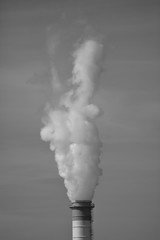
(70, 126)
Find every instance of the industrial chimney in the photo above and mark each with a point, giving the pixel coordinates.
(82, 220)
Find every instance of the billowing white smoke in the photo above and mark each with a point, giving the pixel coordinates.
(70, 127)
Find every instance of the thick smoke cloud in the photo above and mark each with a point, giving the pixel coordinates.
(70, 126)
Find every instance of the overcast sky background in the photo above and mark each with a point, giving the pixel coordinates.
(33, 200)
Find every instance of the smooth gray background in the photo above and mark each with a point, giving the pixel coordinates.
(33, 200)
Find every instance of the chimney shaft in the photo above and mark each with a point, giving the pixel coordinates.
(82, 220)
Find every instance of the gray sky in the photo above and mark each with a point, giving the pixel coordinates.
(33, 200)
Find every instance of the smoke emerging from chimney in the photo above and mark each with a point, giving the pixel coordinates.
(70, 126)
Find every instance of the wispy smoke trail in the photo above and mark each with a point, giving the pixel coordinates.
(70, 127)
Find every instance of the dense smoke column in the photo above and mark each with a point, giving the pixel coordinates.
(70, 126)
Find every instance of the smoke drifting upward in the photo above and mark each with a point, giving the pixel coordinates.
(70, 127)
